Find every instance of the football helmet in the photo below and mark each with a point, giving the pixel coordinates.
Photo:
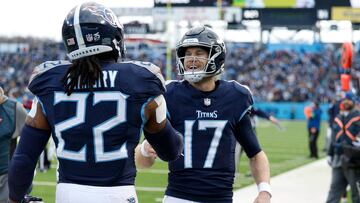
(207, 39)
(91, 29)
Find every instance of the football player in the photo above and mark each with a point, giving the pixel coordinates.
(95, 109)
(213, 115)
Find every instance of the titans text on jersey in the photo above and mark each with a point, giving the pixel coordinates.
(201, 114)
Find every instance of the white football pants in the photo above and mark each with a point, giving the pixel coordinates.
(74, 193)
(170, 199)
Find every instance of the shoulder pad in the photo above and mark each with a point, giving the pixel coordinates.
(167, 82)
(241, 87)
(42, 68)
(150, 67)
(172, 84)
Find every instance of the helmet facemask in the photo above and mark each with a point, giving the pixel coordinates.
(196, 75)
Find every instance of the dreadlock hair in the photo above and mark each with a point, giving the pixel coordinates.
(85, 73)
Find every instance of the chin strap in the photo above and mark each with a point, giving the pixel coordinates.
(194, 78)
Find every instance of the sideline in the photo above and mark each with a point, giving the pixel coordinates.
(308, 183)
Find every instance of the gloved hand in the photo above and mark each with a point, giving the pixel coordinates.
(31, 199)
(329, 160)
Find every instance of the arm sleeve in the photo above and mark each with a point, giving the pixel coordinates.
(20, 119)
(260, 113)
(246, 136)
(168, 143)
(21, 170)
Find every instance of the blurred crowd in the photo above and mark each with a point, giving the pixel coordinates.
(287, 75)
(18, 57)
(272, 75)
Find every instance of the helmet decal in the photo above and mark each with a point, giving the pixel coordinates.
(77, 27)
(190, 40)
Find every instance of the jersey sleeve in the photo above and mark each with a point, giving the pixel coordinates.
(260, 113)
(246, 136)
(149, 80)
(244, 131)
(245, 99)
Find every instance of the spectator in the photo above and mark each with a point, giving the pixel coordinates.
(12, 118)
(313, 114)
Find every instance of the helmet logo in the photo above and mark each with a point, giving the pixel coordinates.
(106, 14)
(190, 40)
(218, 49)
(111, 18)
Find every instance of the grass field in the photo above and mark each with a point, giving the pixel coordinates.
(286, 150)
(271, 3)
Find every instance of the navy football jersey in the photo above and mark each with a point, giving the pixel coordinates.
(209, 122)
(96, 133)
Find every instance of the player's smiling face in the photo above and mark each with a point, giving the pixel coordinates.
(196, 59)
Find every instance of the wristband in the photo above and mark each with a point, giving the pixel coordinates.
(142, 149)
(264, 187)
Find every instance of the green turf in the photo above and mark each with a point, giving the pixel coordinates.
(270, 3)
(279, 3)
(285, 149)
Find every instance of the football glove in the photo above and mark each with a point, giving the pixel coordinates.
(31, 199)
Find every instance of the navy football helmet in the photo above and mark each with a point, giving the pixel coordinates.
(91, 29)
(206, 38)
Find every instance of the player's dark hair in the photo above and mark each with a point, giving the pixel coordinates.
(85, 72)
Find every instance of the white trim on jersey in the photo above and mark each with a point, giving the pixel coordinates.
(246, 110)
(33, 109)
(161, 109)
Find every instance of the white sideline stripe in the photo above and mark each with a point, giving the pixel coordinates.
(43, 183)
(153, 171)
(151, 189)
(148, 189)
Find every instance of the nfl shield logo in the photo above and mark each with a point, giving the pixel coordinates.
(89, 37)
(131, 200)
(207, 102)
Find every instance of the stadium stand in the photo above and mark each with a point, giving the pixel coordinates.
(275, 73)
